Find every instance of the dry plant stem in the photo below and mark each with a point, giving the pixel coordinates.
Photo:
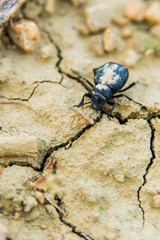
(83, 115)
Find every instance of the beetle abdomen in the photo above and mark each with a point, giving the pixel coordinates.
(111, 74)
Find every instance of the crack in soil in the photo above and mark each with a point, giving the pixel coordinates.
(82, 82)
(147, 170)
(59, 52)
(134, 115)
(21, 99)
(117, 115)
(31, 94)
(60, 58)
(68, 224)
(68, 142)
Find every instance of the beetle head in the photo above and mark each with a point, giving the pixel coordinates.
(97, 101)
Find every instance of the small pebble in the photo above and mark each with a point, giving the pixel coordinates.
(135, 10)
(152, 14)
(110, 39)
(97, 17)
(119, 178)
(121, 21)
(50, 6)
(127, 32)
(32, 10)
(43, 226)
(47, 51)
(131, 58)
(96, 45)
(24, 34)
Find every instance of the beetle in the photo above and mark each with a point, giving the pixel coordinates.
(109, 79)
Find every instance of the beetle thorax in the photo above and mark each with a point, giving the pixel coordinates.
(100, 95)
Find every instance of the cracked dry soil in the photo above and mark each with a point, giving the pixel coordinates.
(100, 181)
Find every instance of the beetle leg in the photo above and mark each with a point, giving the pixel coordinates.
(125, 89)
(101, 114)
(82, 101)
(109, 112)
(87, 81)
(123, 95)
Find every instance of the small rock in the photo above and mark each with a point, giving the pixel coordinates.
(96, 45)
(30, 203)
(47, 51)
(50, 6)
(83, 29)
(51, 210)
(43, 226)
(97, 17)
(135, 10)
(39, 196)
(119, 178)
(155, 31)
(152, 14)
(77, 3)
(24, 34)
(131, 58)
(32, 10)
(121, 21)
(156, 201)
(111, 40)
(127, 32)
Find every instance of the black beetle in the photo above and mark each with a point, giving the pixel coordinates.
(108, 79)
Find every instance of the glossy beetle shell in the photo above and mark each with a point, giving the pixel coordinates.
(112, 75)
